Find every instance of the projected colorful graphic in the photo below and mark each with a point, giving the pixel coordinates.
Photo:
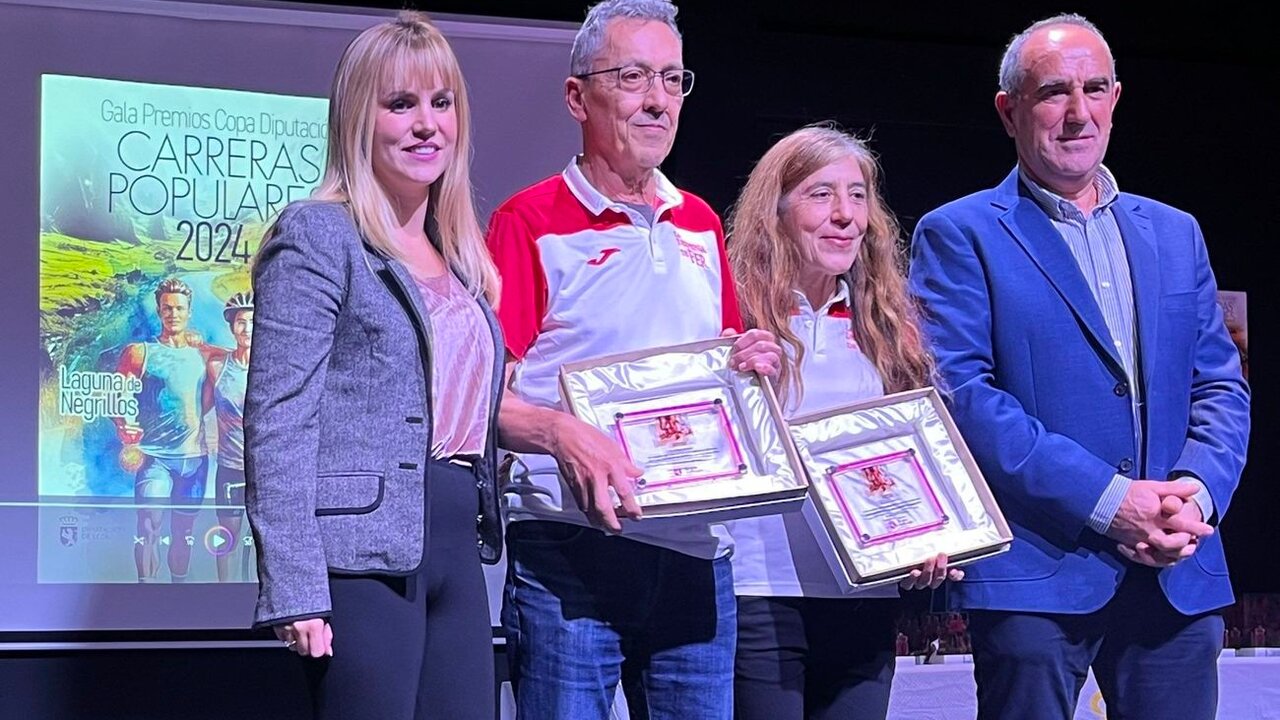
(153, 200)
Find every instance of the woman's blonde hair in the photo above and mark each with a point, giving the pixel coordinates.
(398, 54)
(767, 263)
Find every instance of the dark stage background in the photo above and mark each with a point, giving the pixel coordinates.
(1196, 128)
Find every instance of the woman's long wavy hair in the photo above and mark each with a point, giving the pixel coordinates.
(394, 54)
(767, 263)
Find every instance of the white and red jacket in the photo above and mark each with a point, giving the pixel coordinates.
(778, 555)
(585, 276)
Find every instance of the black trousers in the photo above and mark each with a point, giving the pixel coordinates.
(417, 647)
(814, 658)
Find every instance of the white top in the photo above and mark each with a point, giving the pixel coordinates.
(778, 555)
(585, 276)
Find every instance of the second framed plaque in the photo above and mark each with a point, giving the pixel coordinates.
(893, 485)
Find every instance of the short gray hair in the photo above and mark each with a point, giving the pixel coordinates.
(1012, 72)
(590, 39)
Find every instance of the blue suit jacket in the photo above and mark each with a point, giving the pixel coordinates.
(1042, 400)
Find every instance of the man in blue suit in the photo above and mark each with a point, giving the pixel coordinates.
(1092, 376)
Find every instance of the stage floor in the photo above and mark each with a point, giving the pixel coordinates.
(1249, 689)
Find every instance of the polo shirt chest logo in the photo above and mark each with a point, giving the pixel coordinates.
(693, 252)
(840, 311)
(605, 254)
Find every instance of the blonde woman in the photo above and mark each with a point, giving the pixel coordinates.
(818, 263)
(372, 393)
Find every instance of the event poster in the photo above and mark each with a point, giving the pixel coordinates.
(153, 201)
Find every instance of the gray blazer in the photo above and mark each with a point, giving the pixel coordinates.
(337, 415)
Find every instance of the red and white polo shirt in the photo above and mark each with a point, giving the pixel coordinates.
(585, 276)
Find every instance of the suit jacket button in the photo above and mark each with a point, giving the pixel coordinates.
(479, 519)
(1121, 389)
(1126, 465)
(479, 543)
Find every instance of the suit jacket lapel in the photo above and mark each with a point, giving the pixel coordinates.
(402, 281)
(1032, 229)
(1144, 268)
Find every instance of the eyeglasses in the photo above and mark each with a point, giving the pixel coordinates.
(636, 79)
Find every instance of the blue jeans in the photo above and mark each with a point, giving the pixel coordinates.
(580, 603)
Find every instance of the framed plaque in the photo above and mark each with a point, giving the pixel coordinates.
(886, 497)
(710, 439)
(681, 444)
(893, 484)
